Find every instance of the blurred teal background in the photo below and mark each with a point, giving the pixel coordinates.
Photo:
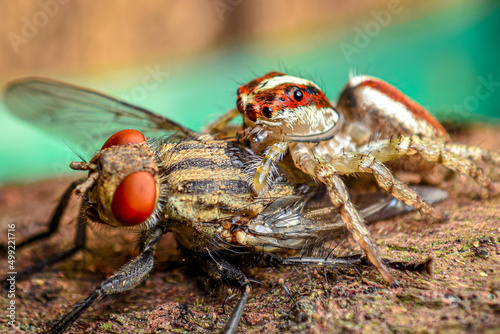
(446, 58)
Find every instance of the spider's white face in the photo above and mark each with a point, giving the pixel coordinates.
(289, 106)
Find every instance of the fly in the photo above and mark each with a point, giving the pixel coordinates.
(191, 185)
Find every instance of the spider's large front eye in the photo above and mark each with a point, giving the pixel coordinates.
(298, 95)
(124, 137)
(267, 112)
(134, 199)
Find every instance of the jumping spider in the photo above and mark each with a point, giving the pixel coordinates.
(372, 124)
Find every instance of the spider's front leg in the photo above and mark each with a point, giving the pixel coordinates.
(350, 163)
(221, 124)
(326, 173)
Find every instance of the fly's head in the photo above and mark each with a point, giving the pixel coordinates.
(287, 106)
(122, 187)
(372, 106)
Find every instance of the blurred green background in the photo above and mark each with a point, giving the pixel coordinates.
(444, 54)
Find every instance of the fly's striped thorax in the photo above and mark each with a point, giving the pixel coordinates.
(204, 180)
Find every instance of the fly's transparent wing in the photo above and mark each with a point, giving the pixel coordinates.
(297, 222)
(395, 207)
(82, 116)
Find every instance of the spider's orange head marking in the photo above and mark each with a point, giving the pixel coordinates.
(288, 105)
(275, 91)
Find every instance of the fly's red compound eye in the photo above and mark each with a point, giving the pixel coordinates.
(134, 199)
(124, 137)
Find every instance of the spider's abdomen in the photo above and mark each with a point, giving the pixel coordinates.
(385, 111)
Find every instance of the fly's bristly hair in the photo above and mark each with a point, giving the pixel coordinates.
(217, 244)
(75, 152)
(203, 185)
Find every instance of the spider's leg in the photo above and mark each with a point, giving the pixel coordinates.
(475, 153)
(478, 154)
(388, 150)
(326, 173)
(350, 163)
(218, 125)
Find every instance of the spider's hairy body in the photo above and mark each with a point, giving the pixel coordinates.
(382, 120)
(381, 111)
(372, 124)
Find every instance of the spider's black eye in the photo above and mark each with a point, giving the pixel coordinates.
(297, 95)
(267, 112)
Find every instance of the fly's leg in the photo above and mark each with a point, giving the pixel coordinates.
(234, 319)
(217, 126)
(273, 154)
(79, 244)
(326, 173)
(336, 262)
(55, 220)
(221, 270)
(128, 277)
(350, 163)
(387, 150)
